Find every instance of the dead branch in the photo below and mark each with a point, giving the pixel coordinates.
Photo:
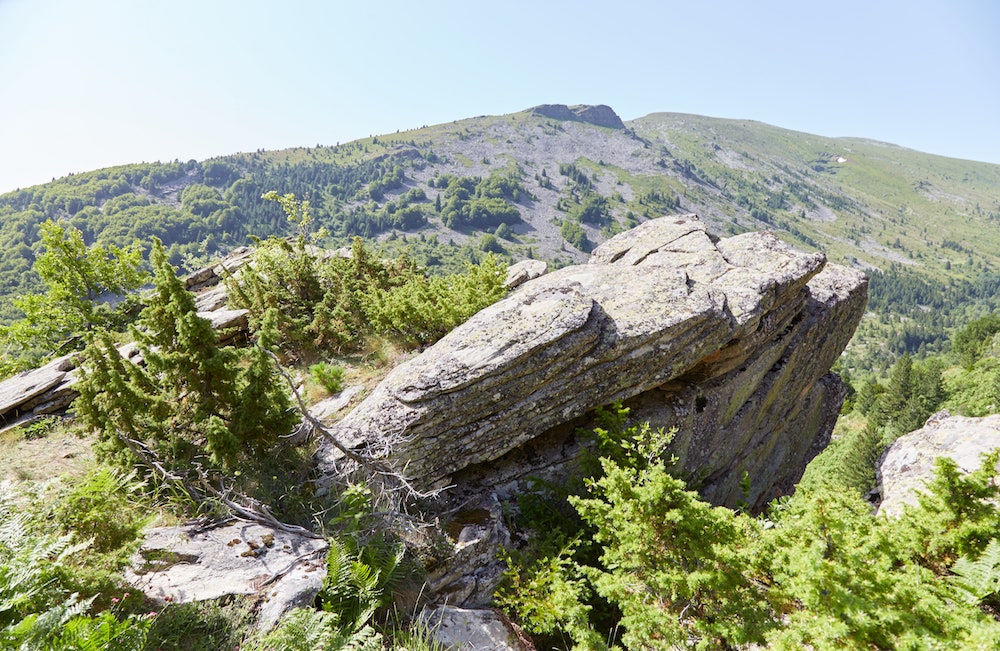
(397, 481)
(241, 506)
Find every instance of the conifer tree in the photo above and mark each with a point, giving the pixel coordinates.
(194, 401)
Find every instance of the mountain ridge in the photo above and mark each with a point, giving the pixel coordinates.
(531, 185)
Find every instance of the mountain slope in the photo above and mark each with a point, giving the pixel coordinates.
(553, 181)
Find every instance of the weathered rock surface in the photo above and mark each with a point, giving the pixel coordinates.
(599, 115)
(730, 340)
(187, 563)
(461, 629)
(908, 464)
(523, 271)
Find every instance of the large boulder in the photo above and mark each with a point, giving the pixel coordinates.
(908, 464)
(730, 340)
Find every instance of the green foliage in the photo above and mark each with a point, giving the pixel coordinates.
(37, 609)
(360, 579)
(677, 575)
(310, 630)
(329, 376)
(193, 400)
(202, 626)
(472, 202)
(107, 507)
(957, 515)
(318, 302)
(549, 597)
(978, 577)
(76, 276)
(593, 210)
(970, 342)
(913, 393)
(423, 309)
(573, 233)
(818, 571)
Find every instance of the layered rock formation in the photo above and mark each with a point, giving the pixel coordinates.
(729, 340)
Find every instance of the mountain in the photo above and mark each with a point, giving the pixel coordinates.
(552, 182)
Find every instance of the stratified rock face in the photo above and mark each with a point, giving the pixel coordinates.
(729, 339)
(908, 464)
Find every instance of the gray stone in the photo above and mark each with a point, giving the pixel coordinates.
(328, 407)
(523, 271)
(730, 340)
(908, 464)
(20, 394)
(187, 563)
(460, 629)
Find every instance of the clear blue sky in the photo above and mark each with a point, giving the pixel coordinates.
(88, 84)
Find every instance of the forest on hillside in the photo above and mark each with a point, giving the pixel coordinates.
(521, 186)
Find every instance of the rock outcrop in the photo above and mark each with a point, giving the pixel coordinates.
(908, 464)
(460, 629)
(730, 340)
(599, 115)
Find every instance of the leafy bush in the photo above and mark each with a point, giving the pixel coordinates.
(969, 342)
(423, 310)
(37, 608)
(106, 507)
(819, 570)
(360, 579)
(193, 401)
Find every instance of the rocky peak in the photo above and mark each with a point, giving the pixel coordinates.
(600, 115)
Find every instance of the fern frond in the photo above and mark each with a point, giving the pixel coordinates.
(977, 579)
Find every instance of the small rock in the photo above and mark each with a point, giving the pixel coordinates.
(460, 629)
(196, 563)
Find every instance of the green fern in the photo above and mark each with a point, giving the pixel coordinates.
(312, 630)
(978, 580)
(29, 563)
(360, 579)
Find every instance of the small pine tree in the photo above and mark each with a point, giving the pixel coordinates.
(194, 399)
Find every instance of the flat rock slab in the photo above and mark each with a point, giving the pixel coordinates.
(25, 386)
(908, 464)
(190, 563)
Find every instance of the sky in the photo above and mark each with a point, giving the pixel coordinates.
(85, 85)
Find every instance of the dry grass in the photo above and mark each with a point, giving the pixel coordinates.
(44, 450)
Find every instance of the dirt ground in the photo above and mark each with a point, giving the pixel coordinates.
(43, 452)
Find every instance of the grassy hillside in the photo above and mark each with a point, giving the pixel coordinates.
(926, 228)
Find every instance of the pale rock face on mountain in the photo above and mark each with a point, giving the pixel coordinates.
(729, 340)
(908, 464)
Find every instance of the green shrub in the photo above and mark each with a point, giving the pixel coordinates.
(819, 570)
(105, 507)
(423, 310)
(328, 376)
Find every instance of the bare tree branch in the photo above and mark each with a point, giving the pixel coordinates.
(310, 424)
(243, 506)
